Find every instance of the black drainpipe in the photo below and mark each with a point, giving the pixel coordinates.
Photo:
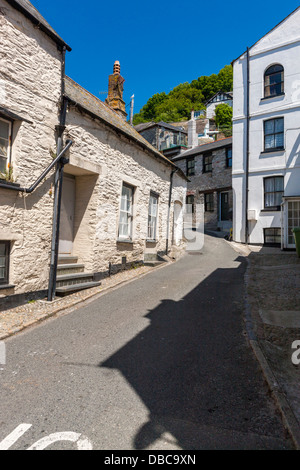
(58, 181)
(169, 208)
(247, 148)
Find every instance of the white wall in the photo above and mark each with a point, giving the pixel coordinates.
(282, 46)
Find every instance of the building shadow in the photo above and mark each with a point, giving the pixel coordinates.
(193, 369)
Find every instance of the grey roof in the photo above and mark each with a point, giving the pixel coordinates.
(28, 10)
(146, 125)
(204, 148)
(229, 93)
(89, 103)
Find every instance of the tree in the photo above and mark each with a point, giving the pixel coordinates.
(223, 115)
(179, 102)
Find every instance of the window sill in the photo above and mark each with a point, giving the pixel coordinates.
(6, 286)
(282, 149)
(272, 97)
(271, 209)
(125, 240)
(148, 240)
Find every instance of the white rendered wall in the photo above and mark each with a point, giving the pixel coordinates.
(280, 46)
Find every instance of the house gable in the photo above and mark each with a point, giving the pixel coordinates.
(285, 32)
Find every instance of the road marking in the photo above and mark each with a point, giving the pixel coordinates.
(14, 436)
(82, 442)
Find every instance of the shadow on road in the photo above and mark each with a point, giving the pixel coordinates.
(194, 370)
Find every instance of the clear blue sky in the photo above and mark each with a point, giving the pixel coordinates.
(159, 43)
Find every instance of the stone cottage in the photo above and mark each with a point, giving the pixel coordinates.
(167, 138)
(82, 194)
(209, 169)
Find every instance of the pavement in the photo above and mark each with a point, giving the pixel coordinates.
(272, 315)
(272, 311)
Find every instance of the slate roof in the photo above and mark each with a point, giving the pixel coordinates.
(28, 10)
(228, 93)
(92, 105)
(146, 125)
(204, 148)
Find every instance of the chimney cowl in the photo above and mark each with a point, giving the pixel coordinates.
(117, 68)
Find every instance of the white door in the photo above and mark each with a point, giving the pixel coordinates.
(292, 221)
(66, 232)
(177, 223)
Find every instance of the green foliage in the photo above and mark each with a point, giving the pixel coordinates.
(7, 175)
(223, 113)
(178, 104)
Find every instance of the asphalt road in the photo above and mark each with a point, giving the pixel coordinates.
(161, 363)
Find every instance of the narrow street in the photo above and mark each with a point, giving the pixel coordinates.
(161, 363)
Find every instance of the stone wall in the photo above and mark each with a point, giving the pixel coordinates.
(100, 160)
(30, 81)
(213, 182)
(98, 197)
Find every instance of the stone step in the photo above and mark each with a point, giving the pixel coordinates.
(67, 259)
(69, 268)
(153, 263)
(71, 279)
(76, 287)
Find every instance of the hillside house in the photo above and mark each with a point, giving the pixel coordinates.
(208, 168)
(167, 138)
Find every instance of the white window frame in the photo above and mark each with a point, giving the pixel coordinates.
(128, 213)
(152, 216)
(8, 158)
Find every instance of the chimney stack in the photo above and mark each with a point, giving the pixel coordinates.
(115, 91)
(192, 133)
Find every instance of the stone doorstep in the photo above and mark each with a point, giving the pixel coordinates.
(281, 318)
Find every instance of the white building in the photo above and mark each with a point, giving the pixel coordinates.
(266, 138)
(219, 98)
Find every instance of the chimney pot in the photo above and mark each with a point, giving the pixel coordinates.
(117, 68)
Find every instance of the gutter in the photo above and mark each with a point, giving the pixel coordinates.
(169, 208)
(58, 182)
(29, 190)
(247, 148)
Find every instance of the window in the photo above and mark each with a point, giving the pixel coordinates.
(273, 191)
(273, 81)
(190, 208)
(293, 220)
(207, 163)
(273, 134)
(152, 216)
(4, 261)
(229, 157)
(126, 212)
(209, 202)
(5, 131)
(272, 236)
(190, 167)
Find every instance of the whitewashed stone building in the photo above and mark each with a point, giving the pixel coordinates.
(266, 144)
(221, 97)
(108, 198)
